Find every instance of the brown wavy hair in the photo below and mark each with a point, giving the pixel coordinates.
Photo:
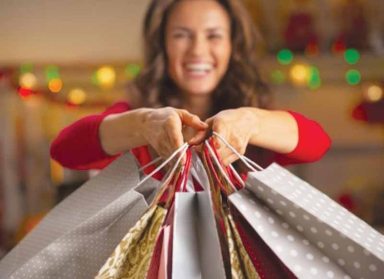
(240, 86)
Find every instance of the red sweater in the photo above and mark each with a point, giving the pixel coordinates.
(78, 145)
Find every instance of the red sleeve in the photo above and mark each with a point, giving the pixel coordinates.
(313, 142)
(78, 145)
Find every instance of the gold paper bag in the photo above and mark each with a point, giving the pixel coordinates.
(132, 256)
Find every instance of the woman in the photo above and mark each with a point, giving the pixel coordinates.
(200, 75)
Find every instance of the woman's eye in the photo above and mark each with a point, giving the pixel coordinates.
(180, 35)
(214, 36)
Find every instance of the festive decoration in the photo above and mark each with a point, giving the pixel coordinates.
(28, 81)
(106, 77)
(314, 80)
(299, 74)
(353, 77)
(353, 24)
(278, 77)
(285, 56)
(300, 29)
(374, 93)
(132, 70)
(351, 56)
(371, 108)
(55, 85)
(77, 96)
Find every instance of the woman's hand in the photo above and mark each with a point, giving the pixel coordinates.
(273, 130)
(163, 128)
(236, 126)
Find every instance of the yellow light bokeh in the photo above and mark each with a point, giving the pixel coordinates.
(374, 93)
(28, 80)
(300, 74)
(55, 85)
(77, 96)
(106, 76)
(57, 172)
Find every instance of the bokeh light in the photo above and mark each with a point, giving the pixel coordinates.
(52, 72)
(277, 77)
(26, 68)
(374, 93)
(28, 81)
(285, 56)
(300, 74)
(353, 77)
(77, 96)
(132, 70)
(55, 85)
(314, 80)
(106, 77)
(351, 56)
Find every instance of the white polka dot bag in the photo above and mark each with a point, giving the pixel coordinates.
(78, 235)
(311, 234)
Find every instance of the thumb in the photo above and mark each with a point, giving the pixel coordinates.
(191, 120)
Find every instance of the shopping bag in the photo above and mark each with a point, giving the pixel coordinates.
(313, 235)
(133, 256)
(324, 239)
(196, 247)
(236, 258)
(76, 237)
(163, 264)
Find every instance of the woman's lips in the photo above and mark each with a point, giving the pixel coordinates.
(198, 69)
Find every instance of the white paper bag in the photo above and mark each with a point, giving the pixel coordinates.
(313, 235)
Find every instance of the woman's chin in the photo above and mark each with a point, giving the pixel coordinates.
(199, 91)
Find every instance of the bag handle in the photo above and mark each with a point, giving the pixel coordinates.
(213, 155)
(182, 149)
(248, 162)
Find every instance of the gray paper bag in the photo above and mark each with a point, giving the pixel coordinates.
(313, 235)
(79, 234)
(196, 246)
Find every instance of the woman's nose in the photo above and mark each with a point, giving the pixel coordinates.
(199, 46)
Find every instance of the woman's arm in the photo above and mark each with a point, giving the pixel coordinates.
(77, 146)
(294, 137)
(94, 141)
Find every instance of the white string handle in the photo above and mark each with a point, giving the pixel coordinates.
(237, 175)
(248, 162)
(223, 172)
(182, 149)
(150, 163)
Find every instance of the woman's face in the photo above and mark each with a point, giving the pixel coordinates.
(198, 45)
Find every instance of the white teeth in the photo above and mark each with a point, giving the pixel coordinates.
(199, 67)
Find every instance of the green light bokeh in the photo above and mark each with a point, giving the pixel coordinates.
(285, 56)
(353, 77)
(314, 80)
(132, 70)
(277, 77)
(351, 56)
(52, 72)
(26, 68)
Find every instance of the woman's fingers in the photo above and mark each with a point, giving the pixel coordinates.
(191, 120)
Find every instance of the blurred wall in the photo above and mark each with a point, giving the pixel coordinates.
(90, 31)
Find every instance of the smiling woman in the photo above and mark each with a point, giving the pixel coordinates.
(198, 46)
(200, 75)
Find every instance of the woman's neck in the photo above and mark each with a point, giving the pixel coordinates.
(199, 105)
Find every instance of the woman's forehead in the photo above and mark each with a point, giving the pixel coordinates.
(206, 14)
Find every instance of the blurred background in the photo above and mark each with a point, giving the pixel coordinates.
(61, 60)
